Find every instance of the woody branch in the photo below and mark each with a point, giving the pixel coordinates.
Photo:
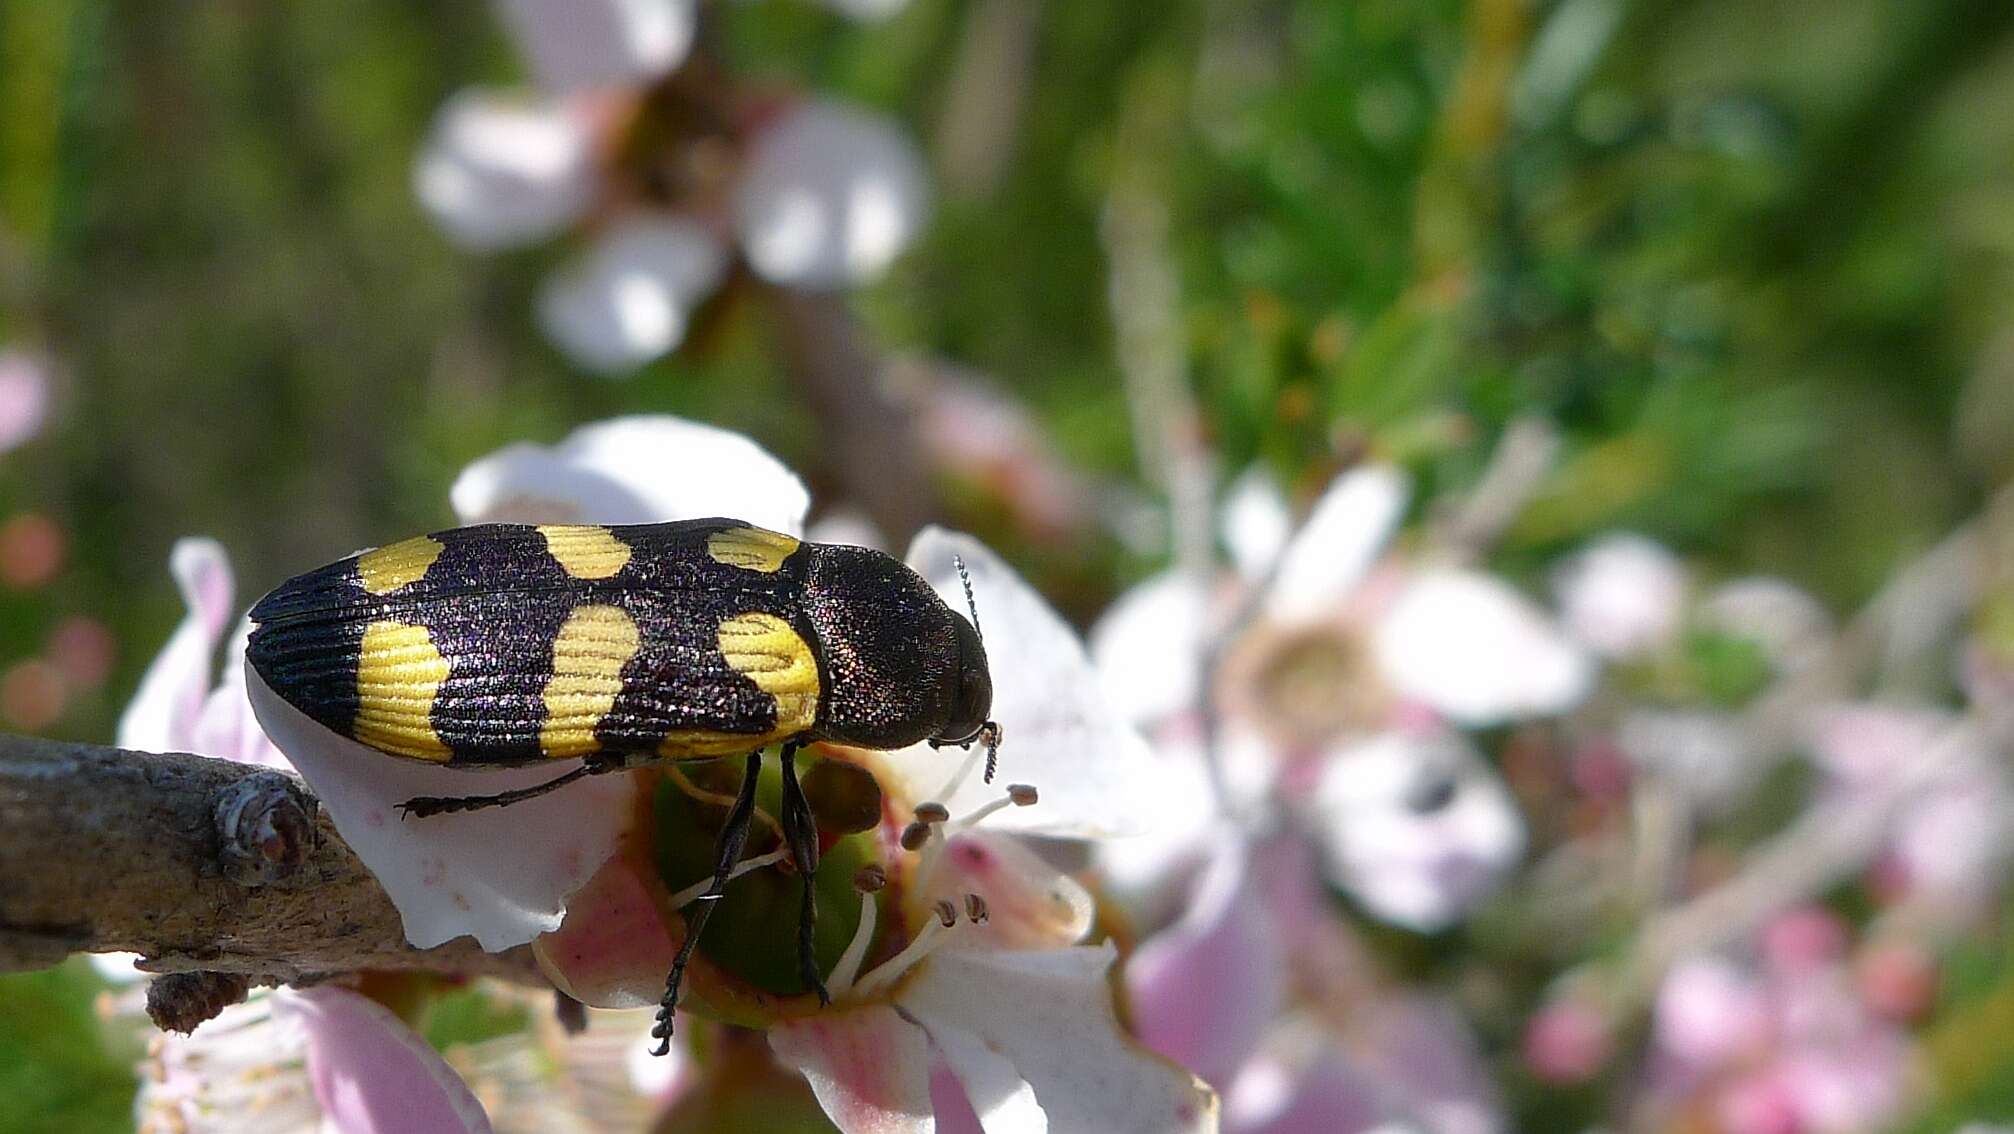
(201, 866)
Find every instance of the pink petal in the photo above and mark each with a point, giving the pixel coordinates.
(614, 948)
(1318, 1094)
(869, 1068)
(501, 874)
(372, 1075)
(1710, 1014)
(1205, 990)
(163, 713)
(226, 728)
(830, 196)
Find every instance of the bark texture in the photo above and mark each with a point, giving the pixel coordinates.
(199, 865)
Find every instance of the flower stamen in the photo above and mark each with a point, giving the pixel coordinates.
(694, 892)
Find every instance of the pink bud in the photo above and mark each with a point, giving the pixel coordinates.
(1567, 1042)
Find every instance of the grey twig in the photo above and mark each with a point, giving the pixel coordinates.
(199, 865)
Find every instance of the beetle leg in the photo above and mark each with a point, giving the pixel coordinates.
(727, 853)
(800, 832)
(425, 805)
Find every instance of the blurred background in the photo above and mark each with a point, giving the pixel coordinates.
(271, 273)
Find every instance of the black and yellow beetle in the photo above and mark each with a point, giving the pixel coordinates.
(503, 645)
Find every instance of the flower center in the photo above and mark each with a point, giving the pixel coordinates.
(1310, 686)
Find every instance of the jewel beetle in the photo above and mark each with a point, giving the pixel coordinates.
(505, 645)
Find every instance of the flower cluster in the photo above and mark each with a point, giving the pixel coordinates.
(670, 175)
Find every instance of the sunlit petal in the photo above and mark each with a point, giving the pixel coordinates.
(634, 470)
(1477, 651)
(1050, 1015)
(372, 1074)
(163, 713)
(1031, 904)
(627, 299)
(501, 874)
(830, 196)
(1062, 736)
(500, 169)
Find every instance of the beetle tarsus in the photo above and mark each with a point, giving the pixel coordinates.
(800, 832)
(728, 852)
(421, 806)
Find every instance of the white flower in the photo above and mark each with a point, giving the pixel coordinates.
(302, 1062)
(1622, 596)
(1355, 657)
(831, 195)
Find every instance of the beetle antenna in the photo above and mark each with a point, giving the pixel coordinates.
(964, 577)
(990, 735)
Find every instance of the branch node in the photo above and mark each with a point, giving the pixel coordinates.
(265, 827)
(177, 1002)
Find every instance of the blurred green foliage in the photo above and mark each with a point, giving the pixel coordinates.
(1756, 257)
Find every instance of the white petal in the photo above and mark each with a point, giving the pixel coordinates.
(1061, 735)
(24, 396)
(1622, 596)
(1349, 525)
(1050, 1015)
(1148, 647)
(499, 170)
(1256, 522)
(1187, 823)
(1031, 904)
(1003, 1100)
(578, 45)
(1476, 650)
(829, 197)
(1792, 627)
(1418, 829)
(627, 299)
(869, 1067)
(501, 874)
(867, 9)
(163, 713)
(634, 470)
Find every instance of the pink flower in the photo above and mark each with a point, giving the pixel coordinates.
(299, 1062)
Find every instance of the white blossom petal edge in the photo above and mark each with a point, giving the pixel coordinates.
(1061, 735)
(1343, 535)
(644, 469)
(500, 875)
